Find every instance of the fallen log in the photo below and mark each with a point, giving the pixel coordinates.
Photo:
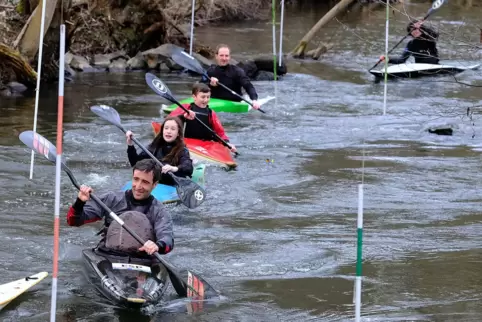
(299, 50)
(24, 73)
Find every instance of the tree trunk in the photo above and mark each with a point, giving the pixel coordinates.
(299, 50)
(23, 71)
(29, 42)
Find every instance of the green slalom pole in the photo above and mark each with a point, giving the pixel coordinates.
(359, 246)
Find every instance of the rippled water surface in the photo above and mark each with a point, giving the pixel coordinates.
(279, 238)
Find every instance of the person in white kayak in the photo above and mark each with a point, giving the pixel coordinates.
(231, 76)
(423, 46)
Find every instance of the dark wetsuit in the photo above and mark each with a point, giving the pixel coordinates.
(423, 49)
(184, 164)
(232, 77)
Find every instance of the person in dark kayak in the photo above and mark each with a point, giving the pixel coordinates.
(229, 75)
(146, 174)
(169, 148)
(201, 94)
(422, 47)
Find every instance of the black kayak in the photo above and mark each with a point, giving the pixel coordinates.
(127, 281)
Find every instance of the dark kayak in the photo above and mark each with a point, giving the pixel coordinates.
(126, 281)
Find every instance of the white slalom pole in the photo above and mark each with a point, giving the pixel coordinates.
(273, 11)
(275, 68)
(358, 278)
(192, 27)
(39, 70)
(386, 60)
(58, 171)
(281, 32)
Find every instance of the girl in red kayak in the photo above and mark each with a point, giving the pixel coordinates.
(169, 148)
(201, 94)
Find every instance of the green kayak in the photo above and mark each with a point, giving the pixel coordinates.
(217, 105)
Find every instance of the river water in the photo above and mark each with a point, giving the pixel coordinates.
(279, 238)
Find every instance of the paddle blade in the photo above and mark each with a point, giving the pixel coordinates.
(436, 5)
(190, 193)
(159, 87)
(107, 113)
(39, 144)
(187, 61)
(196, 287)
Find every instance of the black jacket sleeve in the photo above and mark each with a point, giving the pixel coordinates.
(402, 58)
(246, 84)
(135, 157)
(185, 168)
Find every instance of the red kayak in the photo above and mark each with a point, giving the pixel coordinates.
(205, 150)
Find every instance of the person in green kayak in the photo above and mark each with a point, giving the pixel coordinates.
(169, 148)
(201, 94)
(230, 75)
(422, 47)
(145, 176)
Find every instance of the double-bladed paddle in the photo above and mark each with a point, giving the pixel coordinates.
(435, 6)
(190, 193)
(161, 89)
(184, 282)
(187, 61)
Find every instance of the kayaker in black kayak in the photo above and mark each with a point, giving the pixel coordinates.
(169, 148)
(422, 47)
(146, 174)
(232, 76)
(201, 94)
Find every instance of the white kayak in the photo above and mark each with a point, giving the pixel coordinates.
(10, 291)
(411, 70)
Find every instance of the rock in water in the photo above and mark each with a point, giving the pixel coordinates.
(266, 64)
(137, 62)
(441, 131)
(118, 65)
(250, 68)
(264, 76)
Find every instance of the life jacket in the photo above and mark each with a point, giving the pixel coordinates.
(108, 222)
(195, 130)
(117, 239)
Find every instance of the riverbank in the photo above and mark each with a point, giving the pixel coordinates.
(103, 35)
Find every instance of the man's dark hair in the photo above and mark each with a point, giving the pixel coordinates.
(148, 165)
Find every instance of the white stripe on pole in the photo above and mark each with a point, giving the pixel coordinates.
(281, 33)
(192, 27)
(358, 287)
(39, 71)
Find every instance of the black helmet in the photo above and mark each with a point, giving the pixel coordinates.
(411, 23)
(425, 30)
